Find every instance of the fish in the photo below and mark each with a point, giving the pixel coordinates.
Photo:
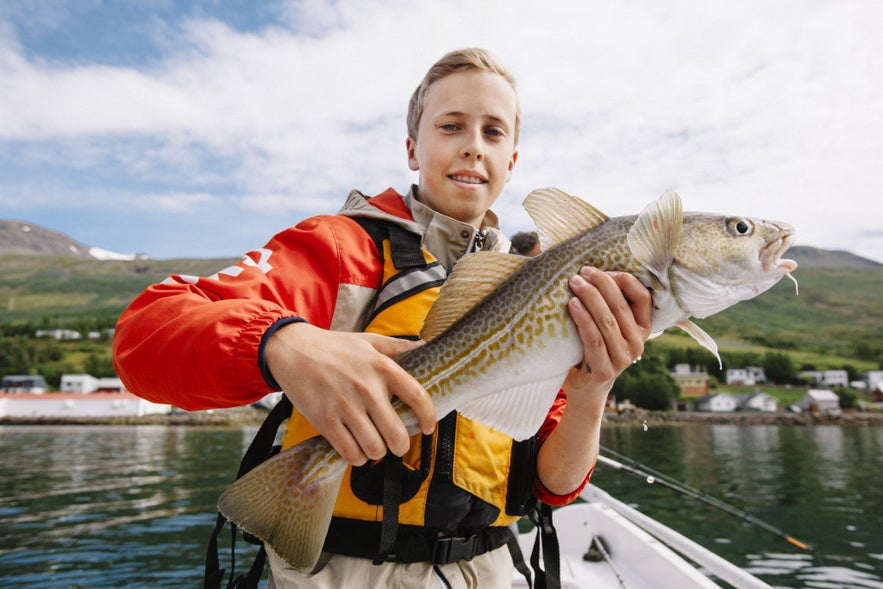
(500, 341)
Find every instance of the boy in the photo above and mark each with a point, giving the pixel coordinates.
(293, 316)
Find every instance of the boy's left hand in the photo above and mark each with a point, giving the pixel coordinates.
(611, 311)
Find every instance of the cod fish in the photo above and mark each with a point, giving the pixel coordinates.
(500, 341)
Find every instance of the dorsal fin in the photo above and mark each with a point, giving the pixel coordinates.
(474, 277)
(560, 216)
(655, 234)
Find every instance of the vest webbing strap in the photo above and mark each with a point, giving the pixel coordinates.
(547, 542)
(260, 449)
(392, 498)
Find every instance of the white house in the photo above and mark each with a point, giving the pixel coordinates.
(75, 405)
(86, 383)
(59, 334)
(821, 401)
(720, 402)
(748, 376)
(874, 379)
(23, 383)
(759, 402)
(826, 378)
(78, 383)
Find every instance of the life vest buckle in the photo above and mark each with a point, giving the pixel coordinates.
(452, 549)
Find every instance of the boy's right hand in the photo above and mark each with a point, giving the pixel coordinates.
(343, 384)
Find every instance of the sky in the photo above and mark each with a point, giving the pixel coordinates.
(200, 129)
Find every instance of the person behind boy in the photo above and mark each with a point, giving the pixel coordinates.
(292, 317)
(526, 243)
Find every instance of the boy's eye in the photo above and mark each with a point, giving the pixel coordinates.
(495, 132)
(449, 127)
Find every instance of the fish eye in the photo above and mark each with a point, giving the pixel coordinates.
(740, 227)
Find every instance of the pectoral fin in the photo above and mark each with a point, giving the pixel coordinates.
(655, 234)
(287, 501)
(698, 334)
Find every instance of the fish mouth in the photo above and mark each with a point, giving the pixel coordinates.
(771, 254)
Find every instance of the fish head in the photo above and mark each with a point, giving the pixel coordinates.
(721, 260)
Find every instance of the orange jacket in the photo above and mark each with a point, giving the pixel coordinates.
(196, 342)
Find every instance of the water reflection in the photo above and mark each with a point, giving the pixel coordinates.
(110, 506)
(133, 506)
(819, 484)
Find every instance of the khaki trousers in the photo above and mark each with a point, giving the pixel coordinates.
(491, 570)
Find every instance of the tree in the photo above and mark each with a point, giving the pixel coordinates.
(647, 384)
(848, 397)
(779, 368)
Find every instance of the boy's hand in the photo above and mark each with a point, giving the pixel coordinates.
(612, 314)
(343, 382)
(611, 311)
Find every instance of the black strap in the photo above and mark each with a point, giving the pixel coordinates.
(361, 539)
(518, 558)
(547, 542)
(392, 498)
(404, 245)
(261, 448)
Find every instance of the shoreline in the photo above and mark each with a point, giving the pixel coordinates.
(249, 416)
(745, 418)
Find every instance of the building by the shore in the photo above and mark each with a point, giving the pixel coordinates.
(76, 405)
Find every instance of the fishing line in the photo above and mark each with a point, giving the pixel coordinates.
(653, 477)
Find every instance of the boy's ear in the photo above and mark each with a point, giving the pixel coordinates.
(512, 161)
(411, 146)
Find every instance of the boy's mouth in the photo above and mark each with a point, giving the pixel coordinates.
(466, 179)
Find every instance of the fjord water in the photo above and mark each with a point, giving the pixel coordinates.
(132, 506)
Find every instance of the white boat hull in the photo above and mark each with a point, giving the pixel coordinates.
(637, 558)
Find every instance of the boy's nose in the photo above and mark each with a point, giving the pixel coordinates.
(472, 147)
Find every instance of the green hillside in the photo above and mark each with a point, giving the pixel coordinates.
(837, 318)
(55, 291)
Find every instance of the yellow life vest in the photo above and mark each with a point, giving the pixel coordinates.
(461, 476)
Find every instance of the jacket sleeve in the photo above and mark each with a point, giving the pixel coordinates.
(194, 342)
(539, 490)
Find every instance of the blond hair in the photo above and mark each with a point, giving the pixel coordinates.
(472, 58)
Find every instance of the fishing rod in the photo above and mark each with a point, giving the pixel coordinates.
(655, 478)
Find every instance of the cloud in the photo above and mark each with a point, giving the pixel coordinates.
(760, 108)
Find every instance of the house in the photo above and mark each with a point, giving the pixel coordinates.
(718, 403)
(59, 334)
(874, 379)
(758, 402)
(78, 383)
(23, 383)
(86, 383)
(110, 384)
(76, 405)
(825, 378)
(821, 401)
(693, 382)
(748, 376)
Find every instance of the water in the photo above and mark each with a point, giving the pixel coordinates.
(132, 506)
(819, 484)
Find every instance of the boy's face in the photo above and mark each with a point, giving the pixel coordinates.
(465, 145)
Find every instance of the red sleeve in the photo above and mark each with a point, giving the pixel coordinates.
(193, 342)
(539, 490)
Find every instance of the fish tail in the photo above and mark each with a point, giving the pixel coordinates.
(287, 501)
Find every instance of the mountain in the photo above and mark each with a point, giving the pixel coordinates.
(22, 238)
(50, 279)
(810, 257)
